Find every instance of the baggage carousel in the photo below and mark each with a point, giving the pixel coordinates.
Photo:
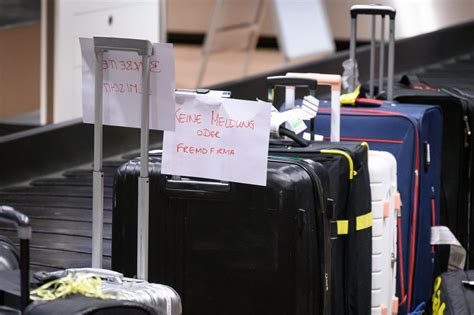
(46, 172)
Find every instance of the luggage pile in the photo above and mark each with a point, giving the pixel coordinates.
(344, 224)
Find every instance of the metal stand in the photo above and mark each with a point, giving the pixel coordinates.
(253, 29)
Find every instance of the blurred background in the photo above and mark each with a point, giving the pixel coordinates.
(214, 41)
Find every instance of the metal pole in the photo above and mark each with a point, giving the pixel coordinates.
(391, 60)
(143, 180)
(372, 59)
(252, 43)
(209, 40)
(382, 54)
(163, 22)
(98, 175)
(25, 273)
(352, 48)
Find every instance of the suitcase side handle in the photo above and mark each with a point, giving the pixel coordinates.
(335, 82)
(22, 224)
(372, 9)
(178, 182)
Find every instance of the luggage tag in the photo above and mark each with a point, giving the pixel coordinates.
(295, 117)
(442, 235)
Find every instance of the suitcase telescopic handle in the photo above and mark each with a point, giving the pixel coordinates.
(22, 224)
(21, 221)
(141, 47)
(335, 82)
(375, 10)
(372, 9)
(284, 81)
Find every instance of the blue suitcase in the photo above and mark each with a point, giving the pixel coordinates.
(413, 134)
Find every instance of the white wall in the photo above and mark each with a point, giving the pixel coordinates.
(87, 18)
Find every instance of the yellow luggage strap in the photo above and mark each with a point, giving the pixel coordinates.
(342, 227)
(352, 172)
(363, 222)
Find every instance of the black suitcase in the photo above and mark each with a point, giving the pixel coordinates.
(351, 251)
(440, 85)
(347, 163)
(231, 248)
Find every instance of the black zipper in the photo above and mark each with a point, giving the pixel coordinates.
(468, 148)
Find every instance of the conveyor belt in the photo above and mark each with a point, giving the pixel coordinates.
(60, 211)
(60, 206)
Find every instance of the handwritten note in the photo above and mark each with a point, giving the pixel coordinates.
(218, 138)
(122, 86)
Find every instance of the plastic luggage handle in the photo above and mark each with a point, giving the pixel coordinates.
(335, 82)
(283, 81)
(22, 224)
(292, 83)
(21, 221)
(144, 48)
(372, 9)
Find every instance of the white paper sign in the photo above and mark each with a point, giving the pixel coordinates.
(122, 86)
(218, 138)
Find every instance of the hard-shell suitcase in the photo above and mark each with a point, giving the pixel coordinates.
(351, 251)
(163, 299)
(10, 290)
(231, 248)
(440, 85)
(385, 210)
(453, 293)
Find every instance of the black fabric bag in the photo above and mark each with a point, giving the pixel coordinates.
(231, 248)
(453, 293)
(450, 85)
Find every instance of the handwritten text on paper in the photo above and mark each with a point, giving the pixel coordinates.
(218, 138)
(122, 86)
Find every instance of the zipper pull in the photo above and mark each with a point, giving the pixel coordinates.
(427, 154)
(467, 132)
(326, 280)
